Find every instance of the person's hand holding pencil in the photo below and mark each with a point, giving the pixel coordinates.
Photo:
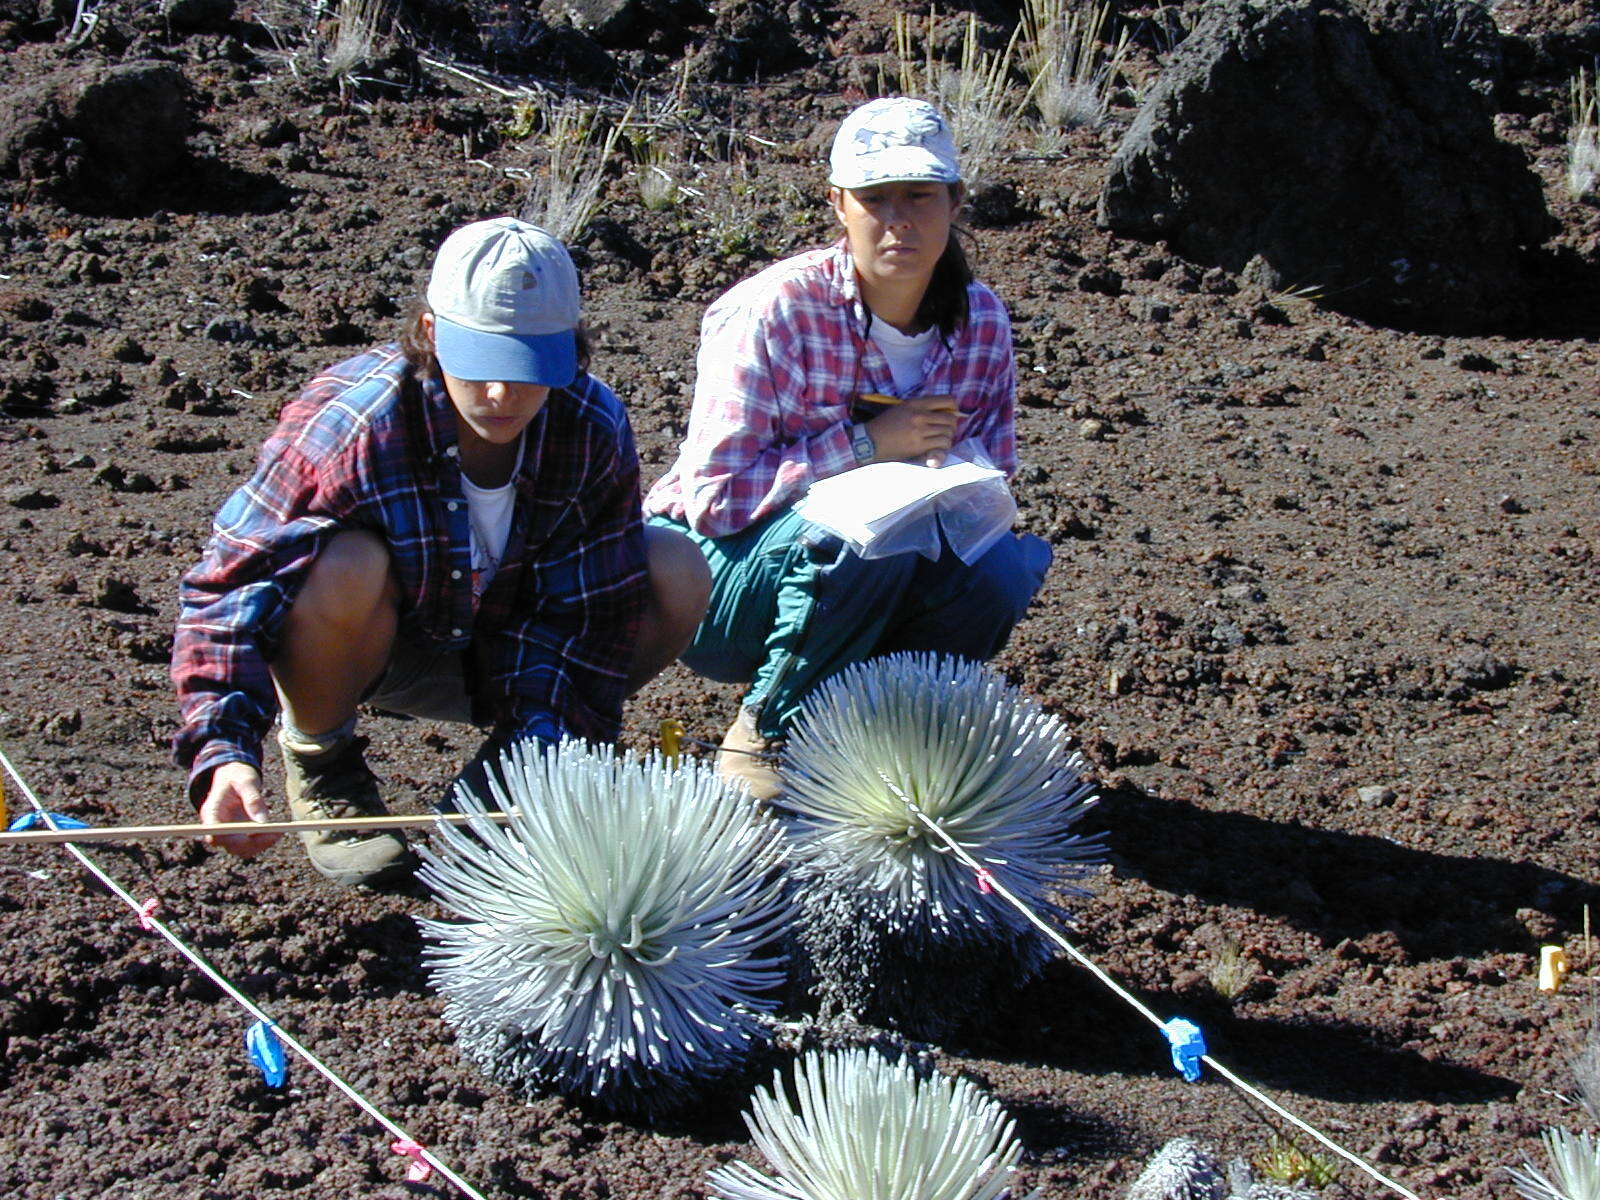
(917, 428)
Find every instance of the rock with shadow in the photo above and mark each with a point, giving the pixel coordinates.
(97, 139)
(1296, 143)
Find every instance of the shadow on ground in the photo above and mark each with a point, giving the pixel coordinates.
(1070, 1021)
(1336, 885)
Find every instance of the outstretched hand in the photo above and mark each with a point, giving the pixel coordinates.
(920, 429)
(235, 795)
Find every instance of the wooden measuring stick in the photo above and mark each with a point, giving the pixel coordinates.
(141, 833)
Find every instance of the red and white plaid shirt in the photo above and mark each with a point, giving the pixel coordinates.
(784, 357)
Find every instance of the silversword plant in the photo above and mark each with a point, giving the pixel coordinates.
(1575, 1163)
(898, 931)
(618, 933)
(863, 1127)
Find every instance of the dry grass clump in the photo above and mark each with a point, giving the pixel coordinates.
(566, 192)
(1583, 137)
(863, 1127)
(1072, 73)
(1230, 972)
(975, 95)
(617, 935)
(898, 931)
(361, 27)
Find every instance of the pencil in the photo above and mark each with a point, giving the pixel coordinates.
(880, 398)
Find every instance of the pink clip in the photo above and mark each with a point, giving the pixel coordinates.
(985, 881)
(147, 913)
(420, 1167)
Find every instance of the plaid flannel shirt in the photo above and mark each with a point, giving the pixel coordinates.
(370, 446)
(783, 358)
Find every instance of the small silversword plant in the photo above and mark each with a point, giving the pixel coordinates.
(863, 1127)
(618, 932)
(896, 928)
(1575, 1163)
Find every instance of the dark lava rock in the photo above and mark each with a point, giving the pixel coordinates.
(512, 35)
(1372, 172)
(37, 19)
(618, 24)
(754, 38)
(98, 139)
(198, 16)
(30, 498)
(24, 307)
(1101, 279)
(1465, 31)
(1479, 671)
(117, 595)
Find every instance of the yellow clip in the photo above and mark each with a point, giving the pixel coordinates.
(1553, 967)
(671, 739)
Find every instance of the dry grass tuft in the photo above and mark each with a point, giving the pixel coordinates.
(975, 95)
(1583, 137)
(1072, 73)
(1230, 972)
(362, 27)
(566, 194)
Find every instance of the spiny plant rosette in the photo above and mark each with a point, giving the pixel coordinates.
(896, 929)
(867, 1128)
(619, 932)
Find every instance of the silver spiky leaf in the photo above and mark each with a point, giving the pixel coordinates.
(864, 1127)
(895, 926)
(618, 934)
(1575, 1162)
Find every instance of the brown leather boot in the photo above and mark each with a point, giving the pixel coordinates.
(750, 759)
(334, 785)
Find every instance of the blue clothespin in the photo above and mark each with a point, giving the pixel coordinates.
(266, 1051)
(1188, 1046)
(34, 819)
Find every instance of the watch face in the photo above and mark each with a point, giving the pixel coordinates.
(861, 443)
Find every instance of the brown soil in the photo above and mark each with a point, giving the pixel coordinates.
(1323, 617)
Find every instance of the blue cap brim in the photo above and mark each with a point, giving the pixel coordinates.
(547, 358)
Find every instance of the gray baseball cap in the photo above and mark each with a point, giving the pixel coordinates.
(894, 140)
(504, 296)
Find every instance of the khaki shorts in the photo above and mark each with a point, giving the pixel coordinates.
(423, 683)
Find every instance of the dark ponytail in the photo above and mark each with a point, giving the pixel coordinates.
(944, 304)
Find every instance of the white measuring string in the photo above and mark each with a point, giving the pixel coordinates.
(1144, 1010)
(234, 993)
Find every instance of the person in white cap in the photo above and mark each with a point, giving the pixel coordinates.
(446, 526)
(879, 348)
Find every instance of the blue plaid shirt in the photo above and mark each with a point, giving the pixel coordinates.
(368, 445)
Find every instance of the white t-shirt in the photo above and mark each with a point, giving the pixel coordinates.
(489, 519)
(904, 353)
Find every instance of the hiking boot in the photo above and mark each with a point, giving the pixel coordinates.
(336, 785)
(748, 758)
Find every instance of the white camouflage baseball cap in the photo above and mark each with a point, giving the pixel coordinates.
(504, 296)
(894, 140)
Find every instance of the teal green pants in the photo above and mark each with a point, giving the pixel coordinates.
(791, 604)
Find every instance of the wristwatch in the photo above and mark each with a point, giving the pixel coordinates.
(861, 442)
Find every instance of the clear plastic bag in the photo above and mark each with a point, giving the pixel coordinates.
(896, 508)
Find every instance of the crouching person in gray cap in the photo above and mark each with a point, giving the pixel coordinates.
(447, 526)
